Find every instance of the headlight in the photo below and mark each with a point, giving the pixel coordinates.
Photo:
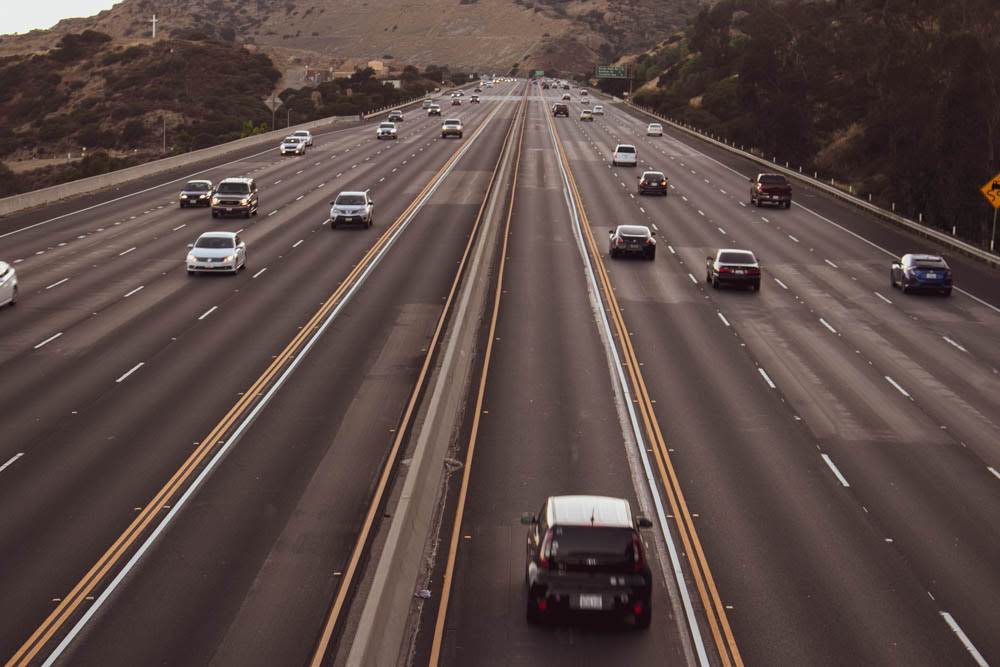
(191, 259)
(228, 258)
(202, 196)
(215, 200)
(244, 201)
(184, 196)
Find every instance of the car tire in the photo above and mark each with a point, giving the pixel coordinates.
(333, 224)
(892, 279)
(756, 286)
(715, 283)
(214, 214)
(945, 292)
(651, 255)
(531, 614)
(753, 202)
(904, 287)
(247, 214)
(788, 204)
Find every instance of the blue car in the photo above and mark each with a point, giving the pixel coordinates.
(921, 272)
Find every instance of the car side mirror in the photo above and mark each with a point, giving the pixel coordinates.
(643, 522)
(652, 233)
(611, 232)
(709, 258)
(529, 519)
(190, 246)
(750, 179)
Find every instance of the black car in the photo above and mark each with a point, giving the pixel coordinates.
(395, 117)
(585, 557)
(921, 272)
(632, 240)
(652, 183)
(196, 193)
(560, 109)
(733, 267)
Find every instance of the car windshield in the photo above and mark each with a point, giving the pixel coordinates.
(453, 122)
(234, 188)
(215, 242)
(654, 126)
(625, 149)
(291, 140)
(773, 179)
(633, 230)
(737, 258)
(583, 543)
(350, 200)
(387, 126)
(197, 186)
(653, 176)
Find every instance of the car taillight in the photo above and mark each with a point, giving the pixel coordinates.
(650, 242)
(725, 269)
(619, 241)
(753, 271)
(543, 556)
(636, 553)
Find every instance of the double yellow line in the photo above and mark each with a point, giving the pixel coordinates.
(99, 571)
(714, 610)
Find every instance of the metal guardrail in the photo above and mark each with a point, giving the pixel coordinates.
(955, 244)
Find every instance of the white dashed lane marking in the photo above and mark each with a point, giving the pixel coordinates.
(136, 290)
(836, 472)
(208, 312)
(130, 371)
(11, 461)
(953, 343)
(57, 283)
(898, 388)
(48, 340)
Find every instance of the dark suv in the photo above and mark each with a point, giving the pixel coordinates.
(560, 109)
(652, 182)
(770, 189)
(235, 195)
(585, 556)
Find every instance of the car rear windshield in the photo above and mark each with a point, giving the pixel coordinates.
(582, 545)
(773, 179)
(736, 258)
(214, 242)
(453, 122)
(197, 186)
(350, 200)
(653, 177)
(625, 149)
(234, 188)
(633, 230)
(925, 263)
(300, 133)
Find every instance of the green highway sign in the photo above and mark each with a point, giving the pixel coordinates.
(611, 72)
(539, 73)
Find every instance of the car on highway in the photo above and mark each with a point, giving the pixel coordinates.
(216, 252)
(196, 193)
(478, 90)
(653, 182)
(8, 284)
(625, 155)
(587, 115)
(395, 116)
(386, 130)
(731, 266)
(654, 130)
(915, 272)
(598, 110)
(583, 92)
(632, 240)
(456, 102)
(304, 135)
(293, 146)
(451, 127)
(770, 189)
(426, 104)
(566, 97)
(236, 195)
(352, 207)
(434, 110)
(545, 86)
(585, 557)
(560, 109)
(474, 99)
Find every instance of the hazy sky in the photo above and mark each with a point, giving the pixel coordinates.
(24, 15)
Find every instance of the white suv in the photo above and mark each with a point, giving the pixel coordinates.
(352, 206)
(654, 130)
(625, 155)
(304, 135)
(386, 131)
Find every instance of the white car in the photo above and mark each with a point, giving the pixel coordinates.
(352, 207)
(625, 155)
(598, 110)
(654, 130)
(293, 146)
(386, 131)
(304, 135)
(8, 284)
(452, 127)
(215, 252)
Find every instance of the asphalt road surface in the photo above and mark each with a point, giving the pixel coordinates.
(185, 461)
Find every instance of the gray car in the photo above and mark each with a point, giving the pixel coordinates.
(217, 252)
(196, 193)
(352, 207)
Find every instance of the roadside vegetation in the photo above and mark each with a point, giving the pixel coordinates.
(895, 98)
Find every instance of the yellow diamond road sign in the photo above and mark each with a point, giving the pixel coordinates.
(992, 191)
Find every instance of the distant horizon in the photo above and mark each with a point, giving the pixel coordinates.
(44, 14)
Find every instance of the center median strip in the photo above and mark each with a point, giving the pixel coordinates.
(250, 402)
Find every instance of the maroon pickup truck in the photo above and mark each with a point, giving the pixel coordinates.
(770, 189)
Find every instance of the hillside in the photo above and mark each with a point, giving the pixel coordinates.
(898, 99)
(479, 35)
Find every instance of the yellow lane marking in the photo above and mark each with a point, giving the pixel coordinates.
(714, 609)
(449, 571)
(58, 617)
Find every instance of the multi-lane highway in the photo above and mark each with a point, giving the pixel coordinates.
(190, 464)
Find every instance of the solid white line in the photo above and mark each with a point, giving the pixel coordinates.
(125, 252)
(955, 344)
(259, 272)
(723, 318)
(137, 289)
(836, 472)
(767, 379)
(793, 238)
(831, 263)
(297, 243)
(827, 325)
(11, 460)
(896, 385)
(208, 312)
(48, 340)
(132, 370)
(179, 227)
(962, 637)
(783, 285)
(693, 279)
(994, 471)
(57, 284)
(882, 297)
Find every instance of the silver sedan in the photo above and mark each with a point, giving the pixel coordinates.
(217, 252)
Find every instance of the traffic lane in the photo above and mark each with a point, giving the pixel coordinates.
(198, 376)
(83, 336)
(550, 426)
(972, 275)
(279, 518)
(722, 420)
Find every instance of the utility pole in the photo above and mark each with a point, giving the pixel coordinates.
(164, 133)
(274, 111)
(154, 22)
(993, 234)
(288, 118)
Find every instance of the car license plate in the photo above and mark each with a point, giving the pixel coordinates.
(932, 276)
(739, 272)
(229, 210)
(594, 602)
